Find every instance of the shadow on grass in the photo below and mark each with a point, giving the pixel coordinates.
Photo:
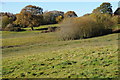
(110, 31)
(107, 33)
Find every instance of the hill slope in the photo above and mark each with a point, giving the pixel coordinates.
(47, 57)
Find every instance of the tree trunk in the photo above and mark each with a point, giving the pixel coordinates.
(32, 28)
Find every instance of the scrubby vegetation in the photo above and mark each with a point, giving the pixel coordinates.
(86, 26)
(99, 22)
(5, 19)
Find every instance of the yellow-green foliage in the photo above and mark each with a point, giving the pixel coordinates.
(86, 26)
(104, 20)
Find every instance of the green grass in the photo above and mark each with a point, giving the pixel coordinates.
(27, 38)
(43, 26)
(43, 55)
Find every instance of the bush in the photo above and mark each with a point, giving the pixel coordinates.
(9, 27)
(50, 29)
(85, 27)
(116, 19)
(12, 27)
(5, 19)
(50, 17)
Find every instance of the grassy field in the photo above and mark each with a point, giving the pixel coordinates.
(42, 26)
(31, 54)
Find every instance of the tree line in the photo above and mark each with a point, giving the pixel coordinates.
(33, 16)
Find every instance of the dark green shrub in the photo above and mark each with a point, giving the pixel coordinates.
(50, 17)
